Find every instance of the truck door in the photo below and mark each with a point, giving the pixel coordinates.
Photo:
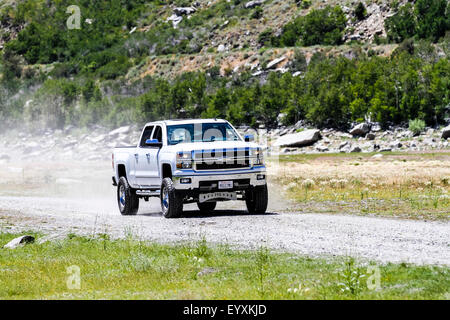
(147, 167)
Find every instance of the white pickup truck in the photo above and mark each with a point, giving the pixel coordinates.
(187, 161)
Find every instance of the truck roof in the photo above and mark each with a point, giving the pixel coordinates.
(185, 121)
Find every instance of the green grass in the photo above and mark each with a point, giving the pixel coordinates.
(132, 269)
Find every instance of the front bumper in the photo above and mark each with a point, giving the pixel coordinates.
(205, 180)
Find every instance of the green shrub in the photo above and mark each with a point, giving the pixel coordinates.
(360, 11)
(322, 26)
(416, 126)
(428, 19)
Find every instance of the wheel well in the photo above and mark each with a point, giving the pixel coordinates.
(121, 170)
(166, 171)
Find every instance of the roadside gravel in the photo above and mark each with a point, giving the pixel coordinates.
(379, 239)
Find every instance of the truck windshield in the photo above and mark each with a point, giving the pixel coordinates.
(200, 132)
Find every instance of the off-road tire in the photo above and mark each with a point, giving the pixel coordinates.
(171, 203)
(206, 207)
(257, 200)
(127, 199)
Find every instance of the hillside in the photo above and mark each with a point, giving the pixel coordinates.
(273, 62)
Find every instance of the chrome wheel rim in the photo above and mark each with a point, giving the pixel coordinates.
(122, 197)
(165, 200)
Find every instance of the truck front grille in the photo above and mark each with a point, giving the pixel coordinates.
(222, 159)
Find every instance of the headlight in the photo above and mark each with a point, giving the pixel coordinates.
(184, 160)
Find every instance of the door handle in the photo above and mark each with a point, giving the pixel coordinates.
(136, 156)
(148, 156)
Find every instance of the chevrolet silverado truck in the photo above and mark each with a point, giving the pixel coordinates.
(190, 161)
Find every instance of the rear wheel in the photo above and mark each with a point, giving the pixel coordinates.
(257, 200)
(206, 207)
(127, 199)
(171, 204)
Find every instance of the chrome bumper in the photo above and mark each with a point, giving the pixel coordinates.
(198, 176)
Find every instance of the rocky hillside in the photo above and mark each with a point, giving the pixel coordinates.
(258, 63)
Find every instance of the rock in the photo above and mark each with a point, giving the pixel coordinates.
(253, 4)
(205, 271)
(118, 131)
(355, 149)
(299, 139)
(99, 138)
(446, 133)
(360, 130)
(377, 156)
(184, 10)
(51, 237)
(370, 136)
(396, 144)
(273, 63)
(322, 148)
(175, 20)
(343, 144)
(221, 48)
(376, 127)
(19, 241)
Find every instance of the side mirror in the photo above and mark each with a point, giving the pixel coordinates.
(249, 138)
(153, 143)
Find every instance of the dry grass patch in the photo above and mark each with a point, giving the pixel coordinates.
(411, 186)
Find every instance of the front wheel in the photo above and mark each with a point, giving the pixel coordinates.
(127, 199)
(257, 200)
(206, 207)
(171, 204)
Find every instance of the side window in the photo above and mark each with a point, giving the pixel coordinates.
(146, 135)
(157, 134)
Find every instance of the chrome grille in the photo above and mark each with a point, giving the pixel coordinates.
(222, 159)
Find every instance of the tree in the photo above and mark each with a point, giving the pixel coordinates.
(402, 25)
(433, 18)
(360, 11)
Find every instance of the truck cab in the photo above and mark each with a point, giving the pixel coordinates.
(186, 161)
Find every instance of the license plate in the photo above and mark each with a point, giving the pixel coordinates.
(217, 195)
(225, 185)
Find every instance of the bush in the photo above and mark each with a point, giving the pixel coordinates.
(323, 26)
(360, 11)
(402, 25)
(416, 126)
(428, 19)
(257, 13)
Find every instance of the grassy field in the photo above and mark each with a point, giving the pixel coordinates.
(132, 269)
(414, 186)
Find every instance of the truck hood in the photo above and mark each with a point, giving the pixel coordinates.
(198, 146)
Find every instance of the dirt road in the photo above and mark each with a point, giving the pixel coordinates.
(383, 240)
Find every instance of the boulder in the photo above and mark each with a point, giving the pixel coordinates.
(360, 130)
(121, 130)
(19, 241)
(355, 149)
(322, 148)
(299, 139)
(253, 4)
(273, 63)
(446, 132)
(184, 10)
(370, 136)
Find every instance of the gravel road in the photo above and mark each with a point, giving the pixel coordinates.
(382, 240)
